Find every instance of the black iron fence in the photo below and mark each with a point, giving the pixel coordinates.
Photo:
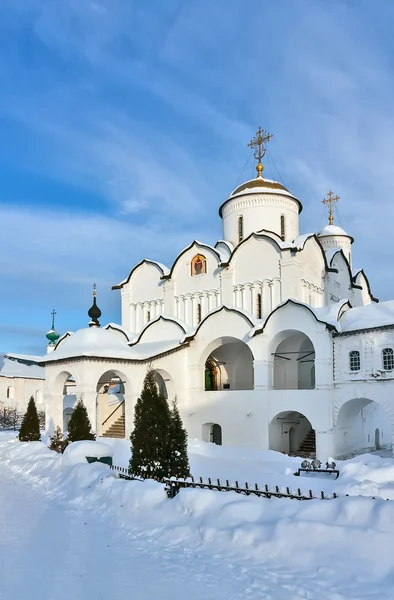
(173, 485)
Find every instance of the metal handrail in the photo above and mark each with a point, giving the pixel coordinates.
(114, 411)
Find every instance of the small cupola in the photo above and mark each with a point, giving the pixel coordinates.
(52, 335)
(94, 312)
(332, 236)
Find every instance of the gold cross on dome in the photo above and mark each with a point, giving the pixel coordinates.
(94, 289)
(53, 313)
(258, 144)
(330, 200)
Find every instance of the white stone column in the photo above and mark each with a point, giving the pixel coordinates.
(272, 295)
(194, 310)
(140, 317)
(247, 298)
(53, 412)
(325, 445)
(133, 324)
(181, 308)
(266, 293)
(188, 309)
(89, 398)
(204, 304)
(238, 296)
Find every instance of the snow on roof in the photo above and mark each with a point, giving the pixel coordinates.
(299, 242)
(332, 230)
(95, 341)
(368, 316)
(12, 365)
(330, 253)
(128, 334)
(225, 249)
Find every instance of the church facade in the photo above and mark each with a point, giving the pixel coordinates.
(267, 338)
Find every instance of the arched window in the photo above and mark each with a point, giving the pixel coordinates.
(240, 228)
(199, 265)
(282, 227)
(258, 307)
(148, 316)
(198, 313)
(354, 360)
(10, 392)
(388, 359)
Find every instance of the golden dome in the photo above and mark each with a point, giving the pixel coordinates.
(259, 182)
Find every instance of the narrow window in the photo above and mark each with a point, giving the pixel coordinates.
(258, 307)
(198, 313)
(388, 359)
(240, 228)
(10, 392)
(282, 227)
(354, 360)
(148, 316)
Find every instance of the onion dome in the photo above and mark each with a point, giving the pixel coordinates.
(52, 335)
(94, 312)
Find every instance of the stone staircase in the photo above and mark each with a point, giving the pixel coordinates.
(117, 429)
(307, 448)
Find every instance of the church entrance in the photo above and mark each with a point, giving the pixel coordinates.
(292, 433)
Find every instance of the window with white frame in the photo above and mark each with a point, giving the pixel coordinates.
(388, 359)
(354, 360)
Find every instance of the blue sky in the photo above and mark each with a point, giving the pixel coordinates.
(124, 126)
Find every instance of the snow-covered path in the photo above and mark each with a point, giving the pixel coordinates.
(50, 551)
(81, 533)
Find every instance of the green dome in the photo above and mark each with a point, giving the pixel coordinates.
(52, 336)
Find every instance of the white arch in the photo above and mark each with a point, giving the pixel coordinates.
(356, 422)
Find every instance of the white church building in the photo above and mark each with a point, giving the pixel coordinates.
(267, 338)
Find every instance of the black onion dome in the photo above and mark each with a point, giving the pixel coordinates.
(94, 312)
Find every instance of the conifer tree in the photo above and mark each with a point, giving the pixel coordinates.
(150, 437)
(179, 461)
(57, 441)
(30, 427)
(79, 426)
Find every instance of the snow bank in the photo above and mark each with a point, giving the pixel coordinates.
(76, 452)
(348, 537)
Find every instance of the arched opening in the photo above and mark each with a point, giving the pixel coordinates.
(165, 384)
(212, 432)
(10, 392)
(362, 425)
(292, 433)
(110, 405)
(229, 366)
(294, 362)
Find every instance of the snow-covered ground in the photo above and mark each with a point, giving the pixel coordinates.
(79, 532)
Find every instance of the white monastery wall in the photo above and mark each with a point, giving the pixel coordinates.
(17, 391)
